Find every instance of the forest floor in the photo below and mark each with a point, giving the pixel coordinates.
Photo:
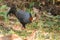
(47, 27)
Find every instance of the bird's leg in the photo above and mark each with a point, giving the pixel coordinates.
(23, 26)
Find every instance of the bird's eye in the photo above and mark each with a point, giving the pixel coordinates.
(30, 18)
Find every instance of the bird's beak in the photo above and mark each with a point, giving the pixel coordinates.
(34, 18)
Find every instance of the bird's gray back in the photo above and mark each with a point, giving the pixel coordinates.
(22, 15)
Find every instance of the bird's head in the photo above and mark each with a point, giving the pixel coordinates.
(32, 18)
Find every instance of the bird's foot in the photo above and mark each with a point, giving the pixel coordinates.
(23, 28)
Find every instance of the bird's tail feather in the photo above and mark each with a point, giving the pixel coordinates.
(12, 10)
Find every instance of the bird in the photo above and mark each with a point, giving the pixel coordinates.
(23, 16)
